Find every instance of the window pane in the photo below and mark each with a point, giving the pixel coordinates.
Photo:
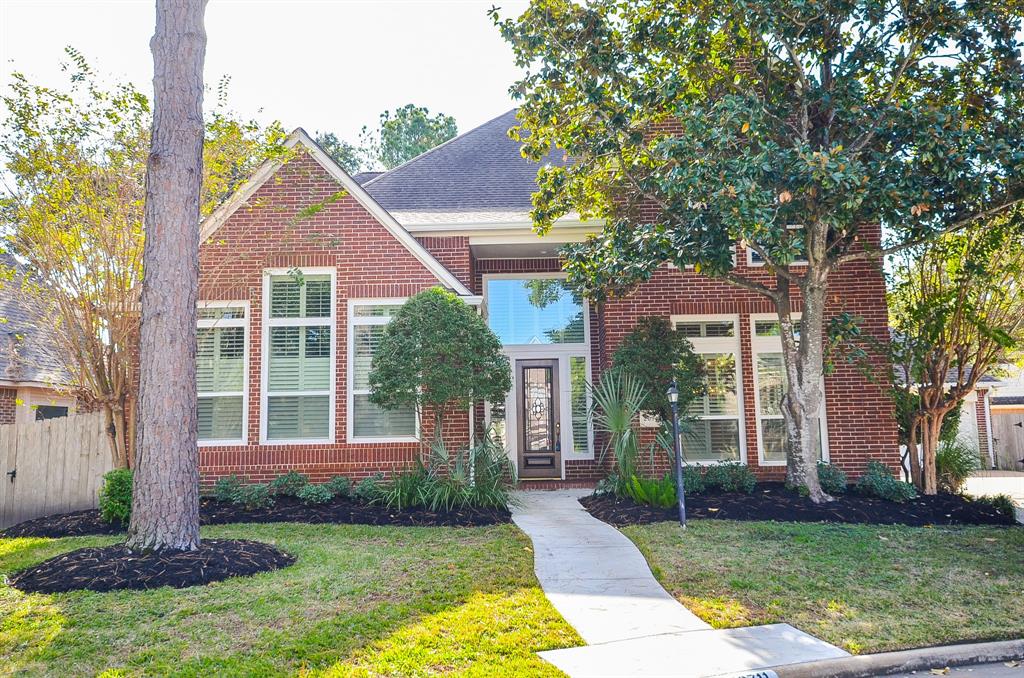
(318, 296)
(723, 328)
(370, 421)
(290, 417)
(689, 329)
(284, 297)
(578, 403)
(766, 328)
(771, 384)
(220, 418)
(720, 398)
(714, 328)
(712, 440)
(366, 339)
(221, 312)
(220, 361)
(376, 311)
(534, 311)
(773, 440)
(299, 365)
(498, 422)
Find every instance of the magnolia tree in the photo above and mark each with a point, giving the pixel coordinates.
(438, 355)
(783, 125)
(72, 211)
(958, 312)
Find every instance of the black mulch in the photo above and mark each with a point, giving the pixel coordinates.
(284, 510)
(115, 567)
(772, 501)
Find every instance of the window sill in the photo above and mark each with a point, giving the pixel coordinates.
(222, 443)
(353, 440)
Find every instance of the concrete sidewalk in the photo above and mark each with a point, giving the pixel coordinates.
(602, 585)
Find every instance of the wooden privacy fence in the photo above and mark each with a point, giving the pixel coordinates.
(1009, 437)
(52, 466)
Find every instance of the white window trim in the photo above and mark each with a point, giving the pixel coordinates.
(757, 264)
(31, 399)
(774, 345)
(244, 324)
(542, 349)
(350, 371)
(292, 322)
(722, 345)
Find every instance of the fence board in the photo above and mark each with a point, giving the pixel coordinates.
(58, 464)
(1009, 440)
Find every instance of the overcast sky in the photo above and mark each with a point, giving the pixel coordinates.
(319, 64)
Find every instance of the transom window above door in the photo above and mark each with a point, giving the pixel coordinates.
(526, 311)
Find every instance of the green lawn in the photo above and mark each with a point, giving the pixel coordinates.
(359, 601)
(866, 588)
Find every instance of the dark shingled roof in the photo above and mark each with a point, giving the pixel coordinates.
(479, 170)
(28, 349)
(1008, 400)
(362, 177)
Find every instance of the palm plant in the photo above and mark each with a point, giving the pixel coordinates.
(617, 400)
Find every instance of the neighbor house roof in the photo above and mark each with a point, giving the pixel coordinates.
(1008, 400)
(481, 170)
(29, 352)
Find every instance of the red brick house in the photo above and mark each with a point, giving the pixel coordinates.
(283, 366)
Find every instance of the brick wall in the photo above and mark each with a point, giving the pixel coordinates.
(369, 262)
(8, 405)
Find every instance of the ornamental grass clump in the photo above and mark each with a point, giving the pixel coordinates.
(955, 461)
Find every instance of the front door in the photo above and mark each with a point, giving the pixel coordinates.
(537, 414)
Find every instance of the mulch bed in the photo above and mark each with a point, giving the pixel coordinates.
(284, 510)
(110, 568)
(772, 501)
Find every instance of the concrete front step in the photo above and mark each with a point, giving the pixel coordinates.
(696, 654)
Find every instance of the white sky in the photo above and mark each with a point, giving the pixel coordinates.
(319, 64)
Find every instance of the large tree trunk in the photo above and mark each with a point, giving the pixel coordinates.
(165, 505)
(804, 366)
(931, 430)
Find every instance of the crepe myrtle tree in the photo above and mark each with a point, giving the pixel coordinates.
(782, 125)
(438, 355)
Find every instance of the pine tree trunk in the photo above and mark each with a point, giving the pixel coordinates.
(802, 404)
(165, 503)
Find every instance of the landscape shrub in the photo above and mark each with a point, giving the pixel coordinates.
(254, 496)
(832, 478)
(289, 484)
(340, 486)
(730, 477)
(116, 496)
(226, 489)
(660, 493)
(955, 461)
(878, 481)
(315, 494)
(607, 485)
(1002, 503)
(405, 489)
(370, 489)
(693, 480)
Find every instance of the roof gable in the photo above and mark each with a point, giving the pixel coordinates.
(300, 138)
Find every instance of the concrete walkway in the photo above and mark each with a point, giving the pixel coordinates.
(601, 584)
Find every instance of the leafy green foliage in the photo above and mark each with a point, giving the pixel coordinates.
(617, 399)
(227, 488)
(1003, 503)
(370, 489)
(660, 493)
(339, 486)
(289, 484)
(315, 494)
(878, 481)
(832, 478)
(908, 402)
(437, 353)
(405, 489)
(729, 477)
(116, 496)
(352, 158)
(955, 461)
(693, 480)
(255, 496)
(407, 132)
(655, 353)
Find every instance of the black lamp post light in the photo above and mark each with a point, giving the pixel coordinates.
(673, 399)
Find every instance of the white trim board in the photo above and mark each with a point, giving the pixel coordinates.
(299, 137)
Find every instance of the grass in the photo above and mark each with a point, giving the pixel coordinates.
(360, 601)
(866, 588)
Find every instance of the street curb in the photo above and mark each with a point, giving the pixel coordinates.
(865, 666)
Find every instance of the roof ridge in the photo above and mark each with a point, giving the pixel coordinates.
(429, 151)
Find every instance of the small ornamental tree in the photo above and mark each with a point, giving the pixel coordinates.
(655, 353)
(792, 128)
(438, 355)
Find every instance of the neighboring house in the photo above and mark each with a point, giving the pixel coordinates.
(283, 364)
(31, 374)
(1005, 419)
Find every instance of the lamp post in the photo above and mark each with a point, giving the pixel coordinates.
(673, 399)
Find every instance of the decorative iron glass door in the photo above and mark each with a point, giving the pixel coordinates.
(539, 424)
